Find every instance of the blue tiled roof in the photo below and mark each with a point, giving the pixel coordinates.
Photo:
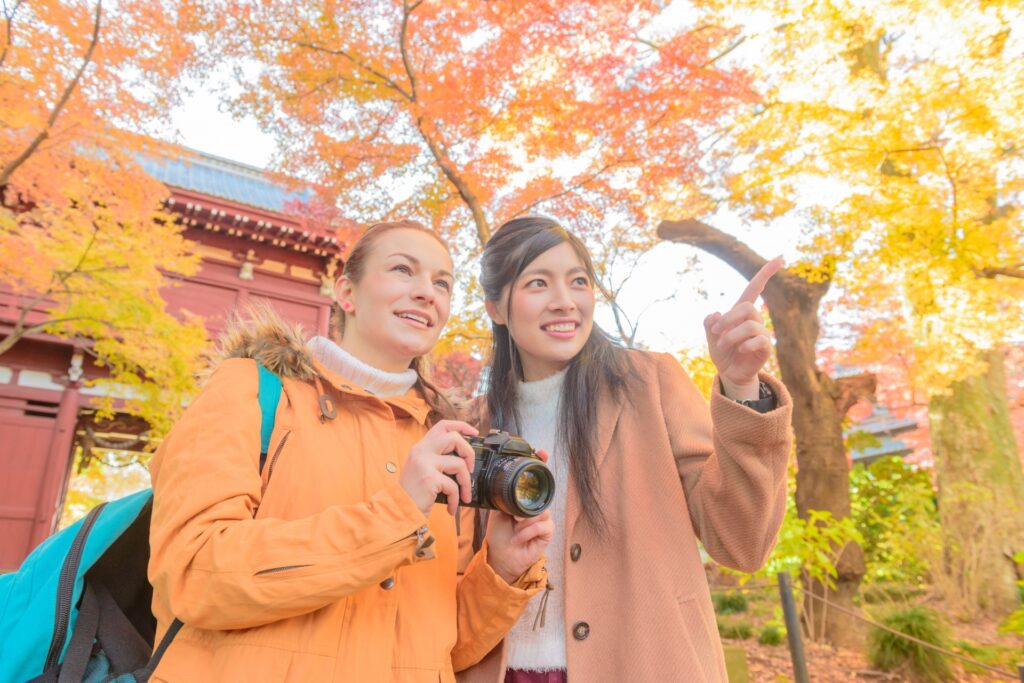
(883, 426)
(888, 446)
(880, 421)
(212, 175)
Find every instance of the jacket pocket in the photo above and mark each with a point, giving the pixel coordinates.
(705, 647)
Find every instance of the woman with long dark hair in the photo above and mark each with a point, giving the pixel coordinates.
(331, 561)
(644, 468)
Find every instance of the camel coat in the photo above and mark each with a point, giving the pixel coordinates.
(637, 602)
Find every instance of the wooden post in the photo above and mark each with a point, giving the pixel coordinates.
(796, 643)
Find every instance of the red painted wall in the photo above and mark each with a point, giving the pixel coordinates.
(37, 424)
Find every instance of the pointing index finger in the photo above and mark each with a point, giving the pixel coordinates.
(758, 282)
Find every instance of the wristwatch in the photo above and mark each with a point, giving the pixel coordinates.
(765, 401)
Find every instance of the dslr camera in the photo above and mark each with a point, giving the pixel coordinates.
(508, 476)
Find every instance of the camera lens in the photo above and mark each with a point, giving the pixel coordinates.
(530, 492)
(522, 486)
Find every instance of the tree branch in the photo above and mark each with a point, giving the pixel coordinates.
(952, 184)
(781, 287)
(738, 255)
(365, 67)
(577, 186)
(723, 53)
(9, 20)
(1015, 271)
(846, 391)
(57, 279)
(8, 170)
(406, 12)
(622, 321)
(18, 333)
(472, 202)
(483, 229)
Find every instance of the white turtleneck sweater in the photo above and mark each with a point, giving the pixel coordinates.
(340, 361)
(543, 649)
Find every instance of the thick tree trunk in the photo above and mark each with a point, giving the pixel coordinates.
(981, 492)
(819, 404)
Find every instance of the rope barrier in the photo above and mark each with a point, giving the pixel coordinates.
(746, 587)
(911, 638)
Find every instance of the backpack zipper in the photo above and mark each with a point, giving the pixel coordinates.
(66, 588)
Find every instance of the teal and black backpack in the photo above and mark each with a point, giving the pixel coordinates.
(79, 608)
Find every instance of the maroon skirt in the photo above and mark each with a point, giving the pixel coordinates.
(516, 676)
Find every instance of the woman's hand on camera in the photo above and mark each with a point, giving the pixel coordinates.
(515, 543)
(431, 465)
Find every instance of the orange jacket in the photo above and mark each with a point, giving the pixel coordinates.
(323, 569)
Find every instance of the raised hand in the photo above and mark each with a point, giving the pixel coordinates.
(738, 341)
(430, 462)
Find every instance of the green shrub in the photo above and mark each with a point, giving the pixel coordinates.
(772, 635)
(888, 651)
(736, 630)
(889, 592)
(994, 655)
(731, 602)
(1015, 622)
(893, 505)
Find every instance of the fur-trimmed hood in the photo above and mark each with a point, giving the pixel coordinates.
(261, 334)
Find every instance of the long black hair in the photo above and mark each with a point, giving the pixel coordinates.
(601, 365)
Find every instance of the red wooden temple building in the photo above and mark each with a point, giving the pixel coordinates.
(255, 243)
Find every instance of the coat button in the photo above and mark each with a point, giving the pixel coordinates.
(391, 467)
(581, 630)
(574, 552)
(388, 583)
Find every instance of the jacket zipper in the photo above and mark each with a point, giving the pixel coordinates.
(277, 452)
(66, 588)
(282, 569)
(423, 541)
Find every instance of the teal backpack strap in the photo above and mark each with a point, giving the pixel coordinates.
(269, 395)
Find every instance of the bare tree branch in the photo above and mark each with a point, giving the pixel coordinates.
(622, 322)
(8, 170)
(573, 188)
(723, 53)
